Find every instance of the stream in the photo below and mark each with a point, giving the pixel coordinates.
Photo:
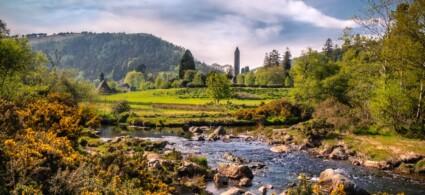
(281, 170)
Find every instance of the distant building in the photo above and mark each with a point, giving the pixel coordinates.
(237, 64)
(103, 86)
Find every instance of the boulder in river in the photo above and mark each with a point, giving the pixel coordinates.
(330, 179)
(376, 164)
(220, 131)
(231, 157)
(190, 169)
(195, 130)
(245, 182)
(235, 171)
(234, 191)
(220, 180)
(280, 149)
(338, 153)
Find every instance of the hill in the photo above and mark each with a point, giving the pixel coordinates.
(112, 53)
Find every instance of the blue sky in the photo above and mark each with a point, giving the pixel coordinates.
(211, 29)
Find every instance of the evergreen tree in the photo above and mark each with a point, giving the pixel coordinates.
(187, 63)
(274, 58)
(328, 48)
(287, 60)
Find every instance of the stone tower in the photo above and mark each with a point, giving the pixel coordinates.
(237, 64)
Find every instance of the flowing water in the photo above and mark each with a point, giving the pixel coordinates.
(281, 169)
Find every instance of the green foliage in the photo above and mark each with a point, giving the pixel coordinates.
(189, 75)
(275, 111)
(240, 79)
(186, 63)
(121, 107)
(199, 160)
(313, 81)
(115, 54)
(17, 59)
(274, 75)
(249, 79)
(198, 80)
(218, 86)
(134, 79)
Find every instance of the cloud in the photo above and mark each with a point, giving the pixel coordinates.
(211, 29)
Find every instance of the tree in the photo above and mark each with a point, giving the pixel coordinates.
(274, 58)
(141, 68)
(328, 48)
(189, 75)
(4, 31)
(134, 79)
(250, 79)
(16, 57)
(287, 61)
(403, 70)
(240, 79)
(198, 79)
(218, 86)
(270, 76)
(187, 63)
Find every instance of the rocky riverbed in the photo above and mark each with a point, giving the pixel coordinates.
(273, 169)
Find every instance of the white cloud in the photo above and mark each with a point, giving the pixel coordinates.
(228, 23)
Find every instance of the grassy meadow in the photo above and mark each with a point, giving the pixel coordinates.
(182, 105)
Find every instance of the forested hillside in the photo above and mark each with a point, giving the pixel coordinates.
(112, 53)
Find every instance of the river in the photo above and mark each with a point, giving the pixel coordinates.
(281, 169)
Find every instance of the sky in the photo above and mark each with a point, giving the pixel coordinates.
(211, 29)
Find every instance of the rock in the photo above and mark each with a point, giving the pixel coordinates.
(248, 193)
(263, 190)
(280, 149)
(154, 164)
(420, 166)
(330, 179)
(338, 153)
(245, 182)
(405, 168)
(213, 137)
(356, 162)
(204, 128)
(198, 138)
(151, 156)
(220, 131)
(220, 180)
(256, 165)
(376, 164)
(230, 157)
(235, 171)
(288, 138)
(194, 129)
(234, 191)
(190, 169)
(410, 158)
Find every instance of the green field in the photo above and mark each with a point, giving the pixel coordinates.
(187, 104)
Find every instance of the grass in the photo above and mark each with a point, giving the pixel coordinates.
(381, 147)
(171, 106)
(180, 96)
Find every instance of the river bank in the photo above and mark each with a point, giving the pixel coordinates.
(281, 169)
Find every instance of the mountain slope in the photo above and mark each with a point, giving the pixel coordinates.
(111, 53)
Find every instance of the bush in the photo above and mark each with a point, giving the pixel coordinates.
(277, 111)
(120, 107)
(199, 160)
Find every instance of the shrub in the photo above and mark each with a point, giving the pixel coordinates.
(120, 107)
(199, 160)
(278, 110)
